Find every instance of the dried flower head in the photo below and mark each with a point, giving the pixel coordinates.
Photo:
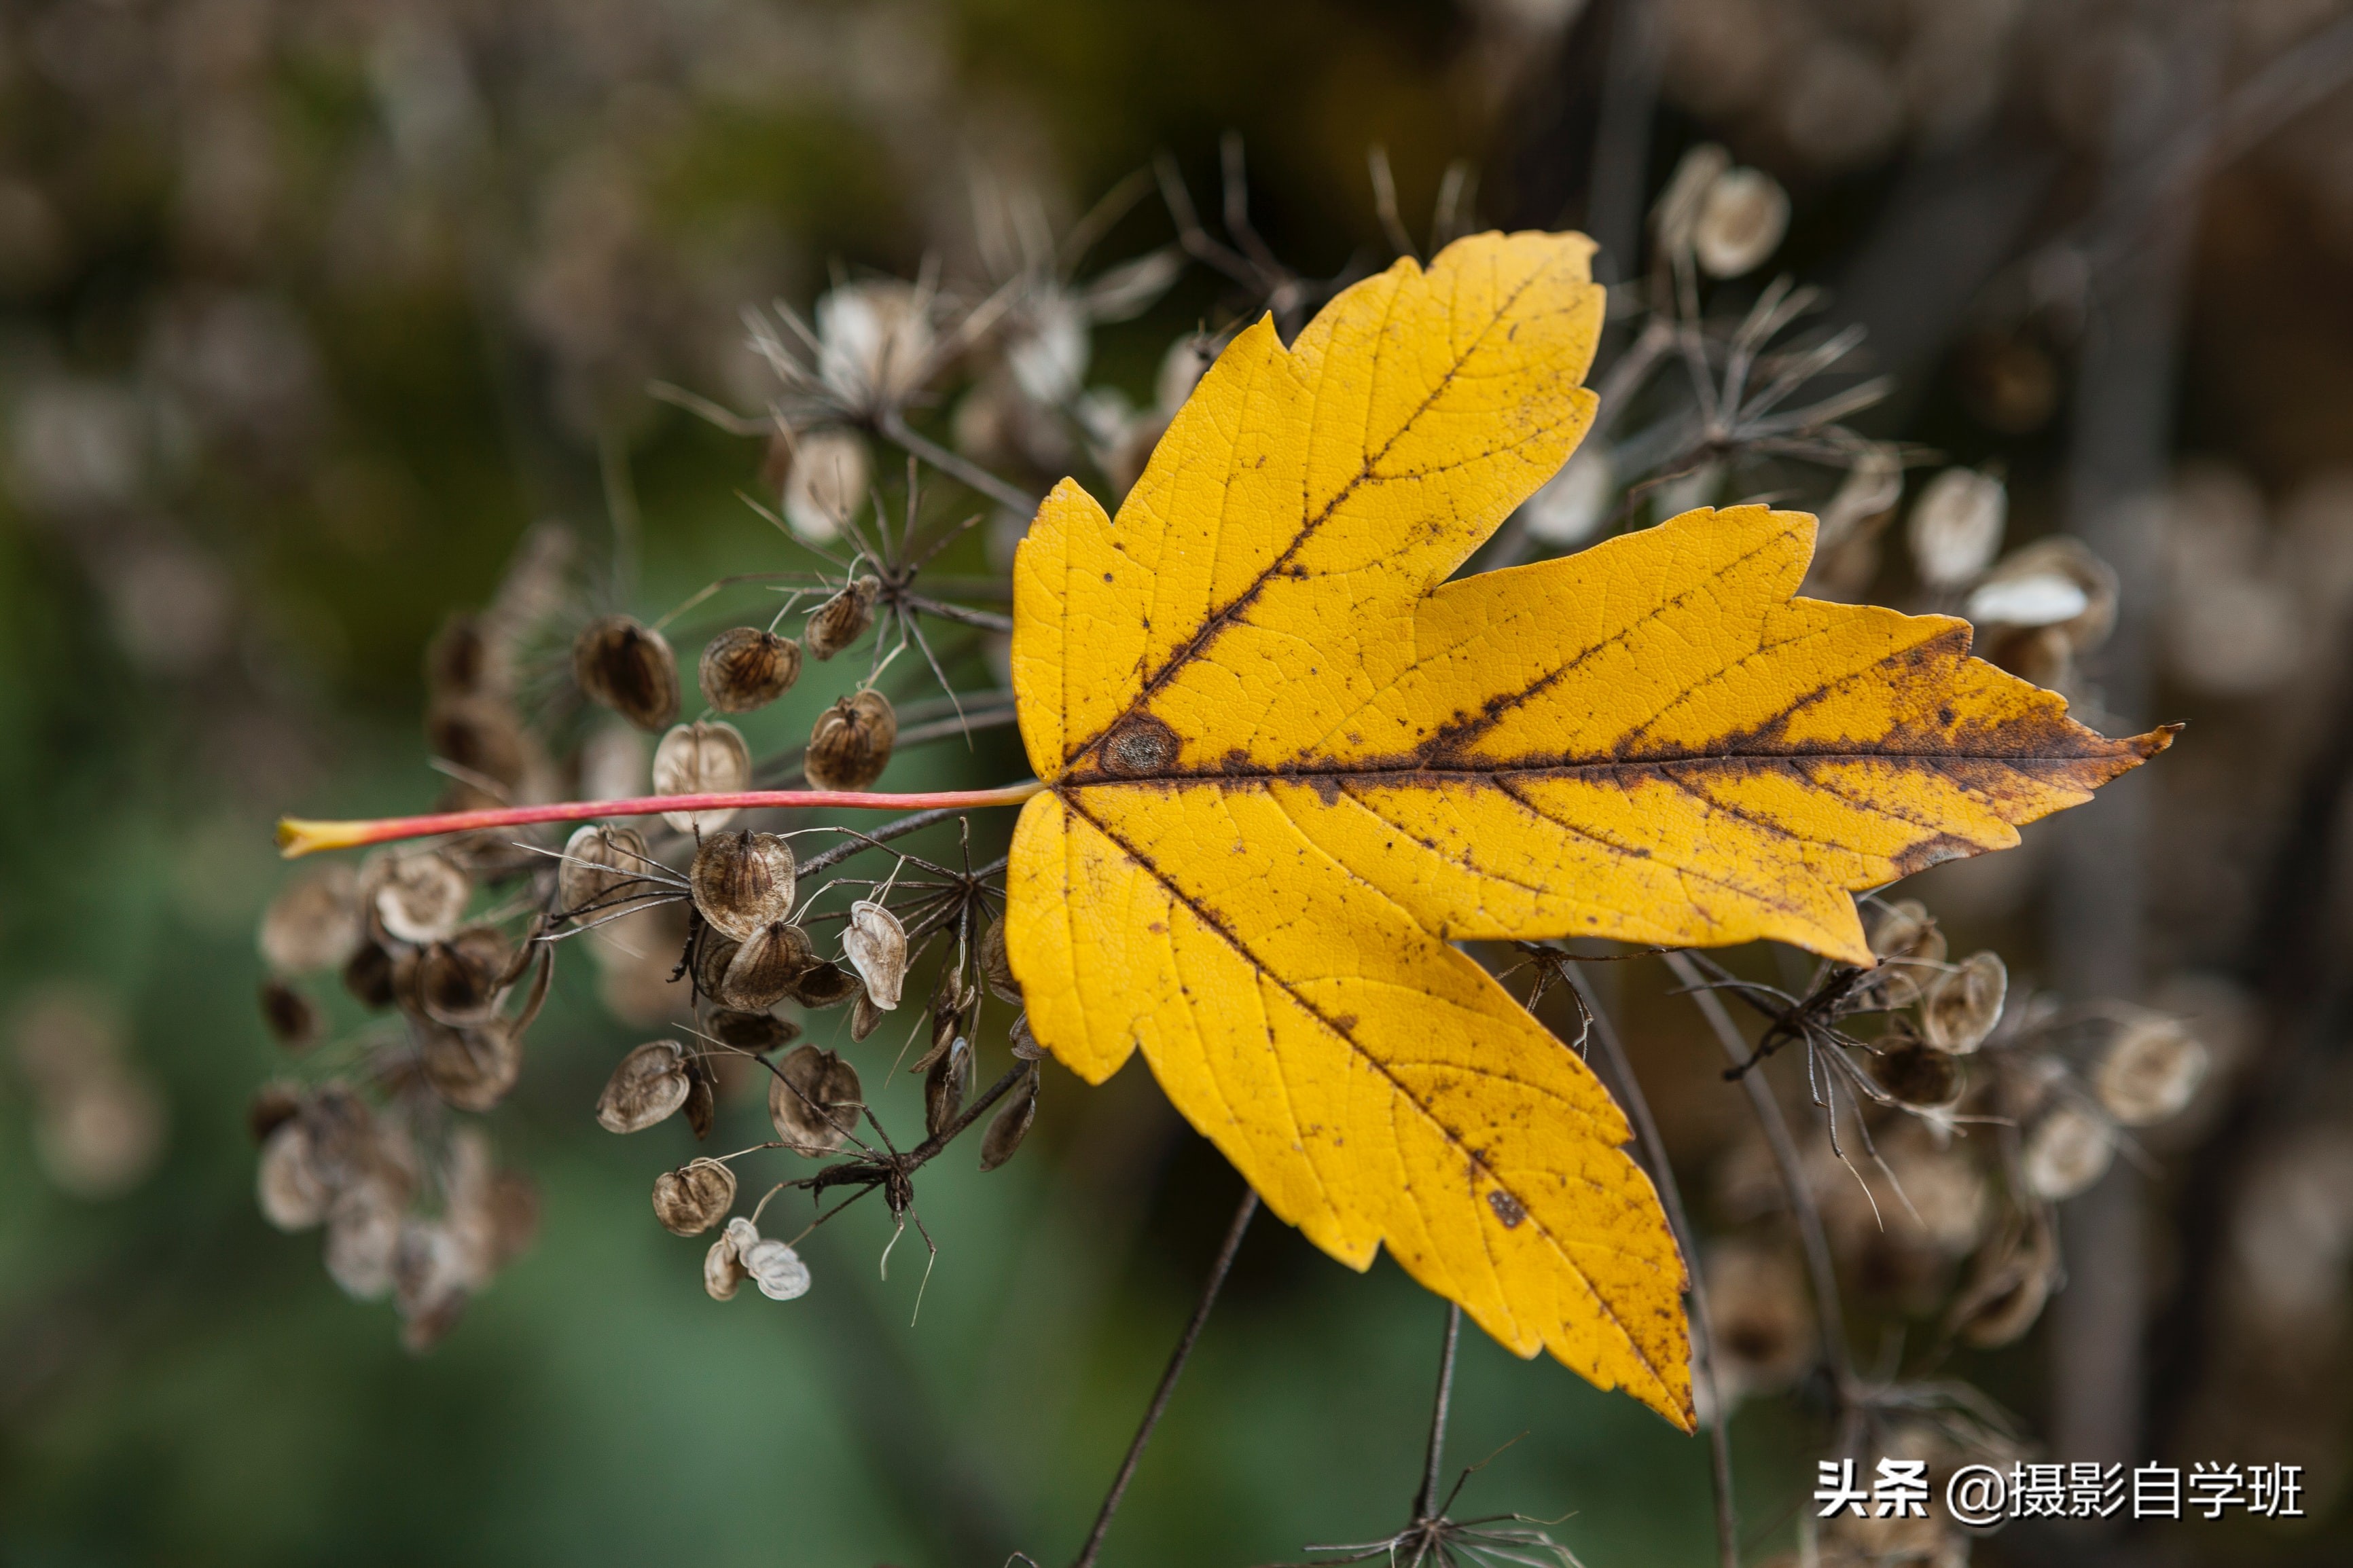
(765, 966)
(742, 882)
(599, 864)
(315, 921)
(2150, 1070)
(875, 342)
(814, 1099)
(706, 757)
(851, 743)
(1741, 220)
(841, 619)
(691, 1199)
(650, 1086)
(420, 895)
(2067, 1150)
(825, 484)
(629, 668)
(1963, 1004)
(1011, 1125)
(1956, 526)
(876, 945)
(746, 667)
(294, 1020)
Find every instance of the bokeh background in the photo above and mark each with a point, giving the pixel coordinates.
(309, 311)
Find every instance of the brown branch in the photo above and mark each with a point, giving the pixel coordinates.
(1425, 1506)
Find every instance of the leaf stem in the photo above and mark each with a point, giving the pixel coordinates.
(1426, 1506)
(1646, 1128)
(297, 836)
(1217, 1271)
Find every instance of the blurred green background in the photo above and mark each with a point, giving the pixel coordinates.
(308, 311)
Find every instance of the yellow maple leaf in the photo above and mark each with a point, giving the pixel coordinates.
(1289, 765)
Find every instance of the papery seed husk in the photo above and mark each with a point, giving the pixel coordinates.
(513, 1206)
(458, 982)
(420, 896)
(742, 882)
(713, 954)
(842, 619)
(746, 667)
(766, 967)
(946, 1029)
(2008, 1286)
(629, 668)
(723, 1273)
(1960, 1006)
(315, 921)
(1956, 525)
(2150, 1070)
(1025, 1044)
(295, 1021)
(470, 1069)
(995, 967)
(649, 1087)
(363, 1232)
(755, 1031)
(851, 743)
(947, 1086)
(1764, 1328)
(1010, 1124)
(293, 1192)
(600, 865)
(701, 1107)
(776, 1269)
(814, 1101)
(706, 757)
(2067, 1150)
(377, 976)
(458, 661)
(692, 1198)
(876, 945)
(1919, 1075)
(865, 1018)
(951, 991)
(482, 735)
(1905, 938)
(827, 985)
(1740, 222)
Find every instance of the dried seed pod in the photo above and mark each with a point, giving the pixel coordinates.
(1919, 1076)
(1962, 1005)
(713, 954)
(826, 985)
(814, 1099)
(746, 667)
(825, 485)
(946, 1085)
(420, 895)
(295, 1021)
(1763, 1323)
(459, 660)
(776, 1269)
(701, 1107)
(722, 1271)
(755, 1031)
(2150, 1070)
(294, 1193)
(376, 975)
(702, 758)
(765, 965)
(1956, 526)
(865, 1018)
(2055, 585)
(953, 991)
(2067, 1150)
(1010, 1124)
(482, 735)
(273, 1105)
(1741, 221)
(629, 668)
(691, 1199)
(600, 867)
(1025, 1044)
(742, 882)
(363, 1236)
(1907, 942)
(458, 982)
(649, 1087)
(842, 619)
(994, 967)
(470, 1069)
(315, 921)
(876, 946)
(851, 743)
(946, 1029)
(2008, 1286)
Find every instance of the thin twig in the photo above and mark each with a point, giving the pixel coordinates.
(892, 427)
(1426, 1506)
(1655, 1148)
(1217, 1270)
(1814, 1240)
